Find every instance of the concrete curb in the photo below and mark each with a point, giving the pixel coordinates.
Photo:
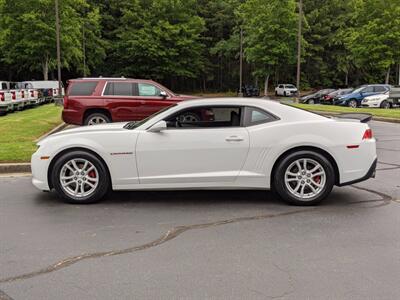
(15, 168)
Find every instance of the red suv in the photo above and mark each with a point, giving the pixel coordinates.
(90, 101)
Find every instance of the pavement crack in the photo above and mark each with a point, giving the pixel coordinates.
(169, 235)
(4, 296)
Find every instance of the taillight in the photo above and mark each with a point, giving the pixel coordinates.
(1, 96)
(367, 134)
(13, 95)
(22, 94)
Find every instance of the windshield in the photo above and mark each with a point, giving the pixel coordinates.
(357, 90)
(290, 86)
(134, 124)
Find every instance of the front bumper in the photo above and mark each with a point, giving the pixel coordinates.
(370, 174)
(39, 169)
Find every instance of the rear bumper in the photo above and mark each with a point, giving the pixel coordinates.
(370, 174)
(71, 116)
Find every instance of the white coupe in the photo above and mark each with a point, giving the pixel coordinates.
(232, 143)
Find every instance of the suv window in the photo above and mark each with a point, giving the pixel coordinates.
(148, 90)
(255, 116)
(4, 86)
(280, 86)
(368, 89)
(119, 89)
(380, 88)
(206, 117)
(82, 88)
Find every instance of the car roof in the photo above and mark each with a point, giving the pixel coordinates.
(283, 111)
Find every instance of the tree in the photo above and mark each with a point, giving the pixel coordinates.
(29, 39)
(374, 40)
(270, 35)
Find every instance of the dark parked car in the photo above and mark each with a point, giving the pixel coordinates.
(91, 101)
(355, 98)
(328, 99)
(250, 91)
(315, 97)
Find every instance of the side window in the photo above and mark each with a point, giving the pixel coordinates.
(82, 88)
(368, 89)
(206, 117)
(119, 89)
(255, 116)
(281, 86)
(148, 90)
(4, 86)
(380, 89)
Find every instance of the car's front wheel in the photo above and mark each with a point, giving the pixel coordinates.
(385, 104)
(80, 177)
(304, 178)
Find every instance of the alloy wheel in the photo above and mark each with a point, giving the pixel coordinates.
(305, 178)
(97, 120)
(79, 177)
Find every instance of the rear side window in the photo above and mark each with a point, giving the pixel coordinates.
(380, 89)
(119, 89)
(82, 88)
(255, 116)
(368, 89)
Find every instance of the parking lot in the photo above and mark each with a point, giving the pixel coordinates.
(206, 244)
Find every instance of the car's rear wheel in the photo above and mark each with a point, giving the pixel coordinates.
(385, 104)
(352, 103)
(311, 101)
(80, 177)
(97, 118)
(304, 178)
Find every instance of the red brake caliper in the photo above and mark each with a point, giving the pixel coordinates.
(317, 179)
(92, 174)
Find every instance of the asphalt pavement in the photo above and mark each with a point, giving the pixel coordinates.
(206, 244)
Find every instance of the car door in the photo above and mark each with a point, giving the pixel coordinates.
(367, 91)
(210, 150)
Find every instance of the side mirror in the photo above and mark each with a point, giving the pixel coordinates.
(163, 94)
(158, 127)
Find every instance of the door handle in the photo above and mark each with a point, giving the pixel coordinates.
(234, 138)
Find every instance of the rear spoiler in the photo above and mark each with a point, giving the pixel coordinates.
(363, 118)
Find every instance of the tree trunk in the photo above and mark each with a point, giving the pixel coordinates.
(346, 82)
(387, 76)
(398, 75)
(45, 66)
(266, 85)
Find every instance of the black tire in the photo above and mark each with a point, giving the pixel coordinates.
(279, 184)
(385, 104)
(276, 93)
(97, 115)
(352, 103)
(103, 185)
(284, 94)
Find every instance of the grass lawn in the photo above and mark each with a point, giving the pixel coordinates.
(393, 113)
(19, 130)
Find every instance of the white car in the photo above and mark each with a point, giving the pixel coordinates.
(235, 143)
(285, 90)
(379, 100)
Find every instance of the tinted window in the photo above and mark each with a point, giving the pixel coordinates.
(206, 117)
(380, 89)
(149, 90)
(4, 86)
(254, 116)
(119, 89)
(82, 88)
(280, 86)
(368, 89)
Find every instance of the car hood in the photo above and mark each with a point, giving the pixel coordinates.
(88, 129)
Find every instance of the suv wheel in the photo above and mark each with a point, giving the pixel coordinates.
(385, 104)
(304, 178)
(97, 118)
(352, 103)
(80, 178)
